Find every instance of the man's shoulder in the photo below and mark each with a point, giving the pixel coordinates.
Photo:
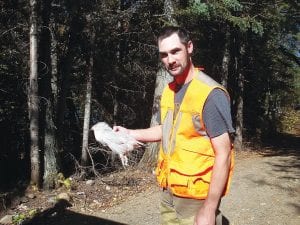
(218, 93)
(203, 77)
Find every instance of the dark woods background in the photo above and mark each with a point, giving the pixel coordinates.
(251, 47)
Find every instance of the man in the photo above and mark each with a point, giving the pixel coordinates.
(195, 159)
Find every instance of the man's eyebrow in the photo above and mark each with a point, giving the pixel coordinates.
(172, 50)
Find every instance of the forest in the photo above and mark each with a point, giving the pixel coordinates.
(66, 65)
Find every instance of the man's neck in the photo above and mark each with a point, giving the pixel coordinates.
(186, 77)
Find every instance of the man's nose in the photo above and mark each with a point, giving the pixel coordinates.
(171, 59)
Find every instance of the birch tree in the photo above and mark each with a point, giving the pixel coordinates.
(88, 98)
(87, 112)
(33, 98)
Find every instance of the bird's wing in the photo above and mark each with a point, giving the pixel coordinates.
(127, 138)
(104, 134)
(120, 149)
(111, 137)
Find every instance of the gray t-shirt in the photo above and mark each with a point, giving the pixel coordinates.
(216, 112)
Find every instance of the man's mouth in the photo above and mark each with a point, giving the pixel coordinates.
(173, 68)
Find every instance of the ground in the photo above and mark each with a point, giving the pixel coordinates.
(265, 190)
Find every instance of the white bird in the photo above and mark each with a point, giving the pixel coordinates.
(118, 141)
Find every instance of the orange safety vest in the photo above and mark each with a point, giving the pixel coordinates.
(186, 156)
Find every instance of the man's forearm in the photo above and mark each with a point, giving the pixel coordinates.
(151, 134)
(218, 181)
(222, 147)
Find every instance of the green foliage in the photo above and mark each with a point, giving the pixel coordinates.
(200, 9)
(19, 218)
(257, 27)
(231, 12)
(233, 4)
(65, 182)
(247, 23)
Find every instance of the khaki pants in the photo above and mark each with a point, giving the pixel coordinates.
(181, 211)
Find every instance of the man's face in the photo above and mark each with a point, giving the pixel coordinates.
(175, 55)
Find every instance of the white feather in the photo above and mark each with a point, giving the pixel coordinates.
(119, 142)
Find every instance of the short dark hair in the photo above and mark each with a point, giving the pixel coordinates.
(167, 31)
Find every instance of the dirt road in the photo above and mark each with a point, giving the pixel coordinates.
(265, 190)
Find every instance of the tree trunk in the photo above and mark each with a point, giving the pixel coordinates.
(54, 59)
(225, 60)
(49, 142)
(51, 151)
(87, 113)
(150, 156)
(87, 107)
(238, 142)
(169, 12)
(33, 99)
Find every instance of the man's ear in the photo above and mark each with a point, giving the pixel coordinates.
(190, 47)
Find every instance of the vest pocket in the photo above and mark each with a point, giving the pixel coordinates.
(189, 183)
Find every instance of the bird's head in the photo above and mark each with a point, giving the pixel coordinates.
(100, 126)
(99, 130)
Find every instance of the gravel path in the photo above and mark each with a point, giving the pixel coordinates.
(265, 190)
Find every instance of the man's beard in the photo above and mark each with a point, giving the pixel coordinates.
(178, 71)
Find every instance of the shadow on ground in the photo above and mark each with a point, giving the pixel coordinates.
(60, 215)
(282, 144)
(287, 146)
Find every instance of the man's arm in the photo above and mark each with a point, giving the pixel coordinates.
(222, 147)
(152, 134)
